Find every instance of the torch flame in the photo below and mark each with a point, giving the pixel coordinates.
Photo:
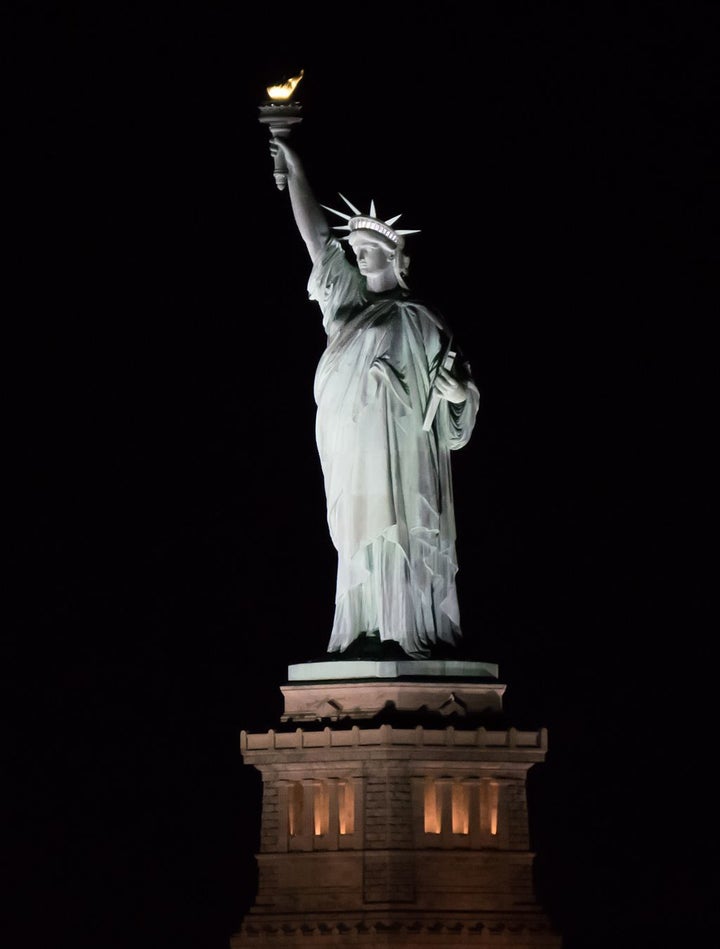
(284, 90)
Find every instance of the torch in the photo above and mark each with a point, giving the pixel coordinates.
(281, 114)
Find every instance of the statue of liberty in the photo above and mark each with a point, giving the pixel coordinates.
(392, 403)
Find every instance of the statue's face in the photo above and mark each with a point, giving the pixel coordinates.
(373, 256)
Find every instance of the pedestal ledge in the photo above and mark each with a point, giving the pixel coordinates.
(360, 689)
(344, 670)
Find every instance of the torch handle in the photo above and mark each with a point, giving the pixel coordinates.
(280, 170)
(280, 119)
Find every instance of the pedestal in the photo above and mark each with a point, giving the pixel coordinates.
(393, 815)
(363, 688)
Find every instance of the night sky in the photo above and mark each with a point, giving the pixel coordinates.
(169, 550)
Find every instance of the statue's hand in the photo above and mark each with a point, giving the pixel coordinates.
(449, 387)
(291, 159)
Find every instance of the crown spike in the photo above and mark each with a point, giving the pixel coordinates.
(392, 220)
(372, 212)
(351, 206)
(339, 213)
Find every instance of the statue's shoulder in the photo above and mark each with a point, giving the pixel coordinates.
(332, 269)
(426, 310)
(333, 253)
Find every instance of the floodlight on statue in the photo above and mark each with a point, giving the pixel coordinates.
(280, 114)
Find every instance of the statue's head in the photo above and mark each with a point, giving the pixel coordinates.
(382, 233)
(377, 251)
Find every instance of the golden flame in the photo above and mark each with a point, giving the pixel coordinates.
(284, 90)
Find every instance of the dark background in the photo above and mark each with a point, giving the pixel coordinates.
(169, 552)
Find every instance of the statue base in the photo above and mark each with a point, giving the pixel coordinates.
(365, 688)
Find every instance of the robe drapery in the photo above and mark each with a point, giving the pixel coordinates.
(387, 482)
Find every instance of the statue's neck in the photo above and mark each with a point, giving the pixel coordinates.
(381, 282)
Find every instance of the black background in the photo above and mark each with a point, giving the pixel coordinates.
(169, 553)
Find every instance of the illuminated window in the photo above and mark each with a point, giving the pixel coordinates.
(458, 817)
(460, 808)
(459, 811)
(295, 809)
(321, 808)
(346, 808)
(489, 794)
(432, 807)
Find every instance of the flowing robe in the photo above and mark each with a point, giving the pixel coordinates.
(387, 482)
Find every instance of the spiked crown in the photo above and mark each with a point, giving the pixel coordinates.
(370, 222)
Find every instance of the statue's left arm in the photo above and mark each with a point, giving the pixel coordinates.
(426, 336)
(459, 406)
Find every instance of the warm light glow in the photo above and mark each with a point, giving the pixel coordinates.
(346, 807)
(321, 809)
(489, 796)
(432, 807)
(494, 794)
(295, 809)
(460, 808)
(283, 92)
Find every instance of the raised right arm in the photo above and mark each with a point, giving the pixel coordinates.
(308, 214)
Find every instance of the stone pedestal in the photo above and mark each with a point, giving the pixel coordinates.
(407, 834)
(363, 689)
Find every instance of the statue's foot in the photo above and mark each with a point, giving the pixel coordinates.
(368, 645)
